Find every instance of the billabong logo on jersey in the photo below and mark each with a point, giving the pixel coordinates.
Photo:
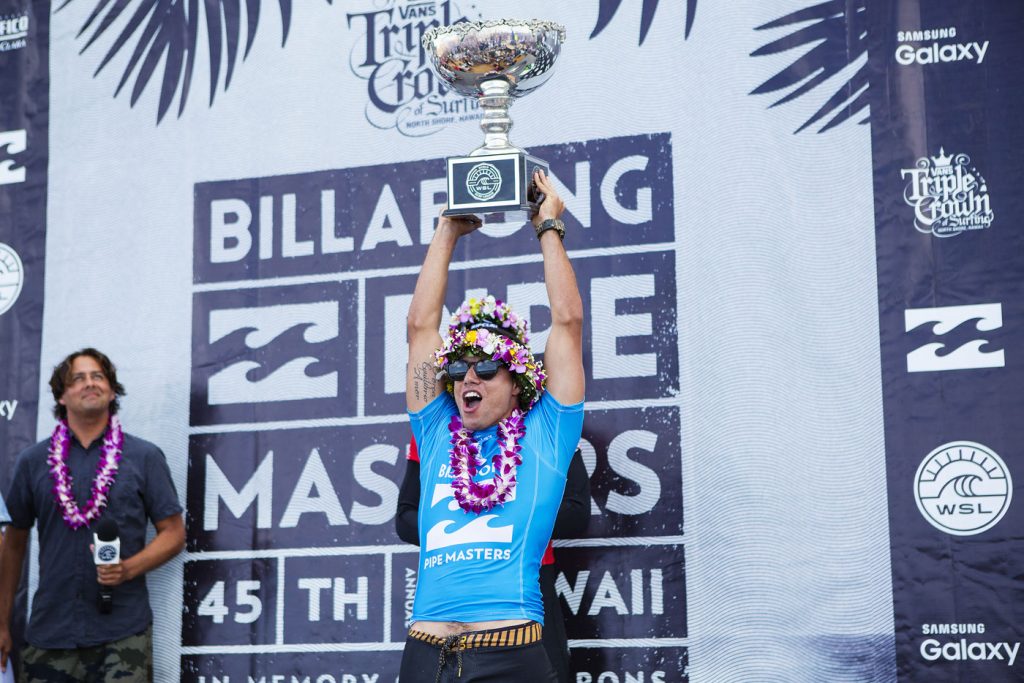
(13, 32)
(402, 90)
(12, 143)
(963, 488)
(477, 528)
(12, 277)
(948, 195)
(936, 48)
(970, 353)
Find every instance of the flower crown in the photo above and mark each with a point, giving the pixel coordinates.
(491, 327)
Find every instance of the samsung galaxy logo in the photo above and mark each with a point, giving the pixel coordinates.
(952, 629)
(938, 51)
(928, 34)
(963, 650)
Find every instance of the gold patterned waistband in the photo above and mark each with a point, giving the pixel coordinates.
(503, 637)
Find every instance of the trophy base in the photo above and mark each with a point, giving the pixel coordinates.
(495, 183)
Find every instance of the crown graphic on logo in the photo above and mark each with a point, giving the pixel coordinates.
(942, 164)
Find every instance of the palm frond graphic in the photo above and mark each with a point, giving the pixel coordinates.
(158, 28)
(838, 33)
(608, 8)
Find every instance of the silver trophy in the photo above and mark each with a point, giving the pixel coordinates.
(494, 61)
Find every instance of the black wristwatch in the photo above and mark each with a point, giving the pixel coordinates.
(551, 224)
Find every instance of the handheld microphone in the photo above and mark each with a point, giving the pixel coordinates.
(106, 550)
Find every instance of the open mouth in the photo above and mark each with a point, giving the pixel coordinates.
(471, 399)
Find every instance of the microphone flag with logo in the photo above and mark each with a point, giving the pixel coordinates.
(106, 550)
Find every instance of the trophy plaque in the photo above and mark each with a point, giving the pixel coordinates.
(494, 61)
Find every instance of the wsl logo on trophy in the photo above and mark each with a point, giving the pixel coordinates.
(495, 62)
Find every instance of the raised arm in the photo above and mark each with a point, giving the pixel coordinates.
(424, 319)
(563, 355)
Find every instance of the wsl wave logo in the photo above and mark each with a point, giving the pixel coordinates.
(402, 90)
(12, 277)
(483, 181)
(13, 32)
(948, 195)
(963, 488)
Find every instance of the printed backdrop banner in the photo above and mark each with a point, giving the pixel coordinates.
(950, 276)
(24, 104)
(237, 197)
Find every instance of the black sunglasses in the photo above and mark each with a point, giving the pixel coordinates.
(485, 369)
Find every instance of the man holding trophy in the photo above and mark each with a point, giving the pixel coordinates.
(496, 428)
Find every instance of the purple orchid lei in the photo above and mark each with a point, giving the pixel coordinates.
(106, 471)
(465, 456)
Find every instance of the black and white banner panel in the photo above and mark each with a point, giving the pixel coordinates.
(799, 346)
(24, 104)
(951, 300)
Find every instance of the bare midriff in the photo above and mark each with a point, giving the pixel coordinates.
(454, 628)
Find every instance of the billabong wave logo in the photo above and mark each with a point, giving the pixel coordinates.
(477, 529)
(12, 143)
(963, 488)
(483, 181)
(403, 92)
(948, 195)
(12, 277)
(962, 349)
(13, 31)
(279, 376)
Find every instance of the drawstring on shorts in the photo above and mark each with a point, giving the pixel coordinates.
(513, 636)
(450, 644)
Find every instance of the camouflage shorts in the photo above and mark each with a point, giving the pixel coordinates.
(129, 660)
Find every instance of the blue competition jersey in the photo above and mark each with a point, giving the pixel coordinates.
(484, 567)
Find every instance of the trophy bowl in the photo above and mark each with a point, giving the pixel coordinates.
(468, 54)
(494, 62)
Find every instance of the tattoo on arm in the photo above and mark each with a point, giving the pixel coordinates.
(425, 382)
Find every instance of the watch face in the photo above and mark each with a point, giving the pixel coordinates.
(552, 224)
